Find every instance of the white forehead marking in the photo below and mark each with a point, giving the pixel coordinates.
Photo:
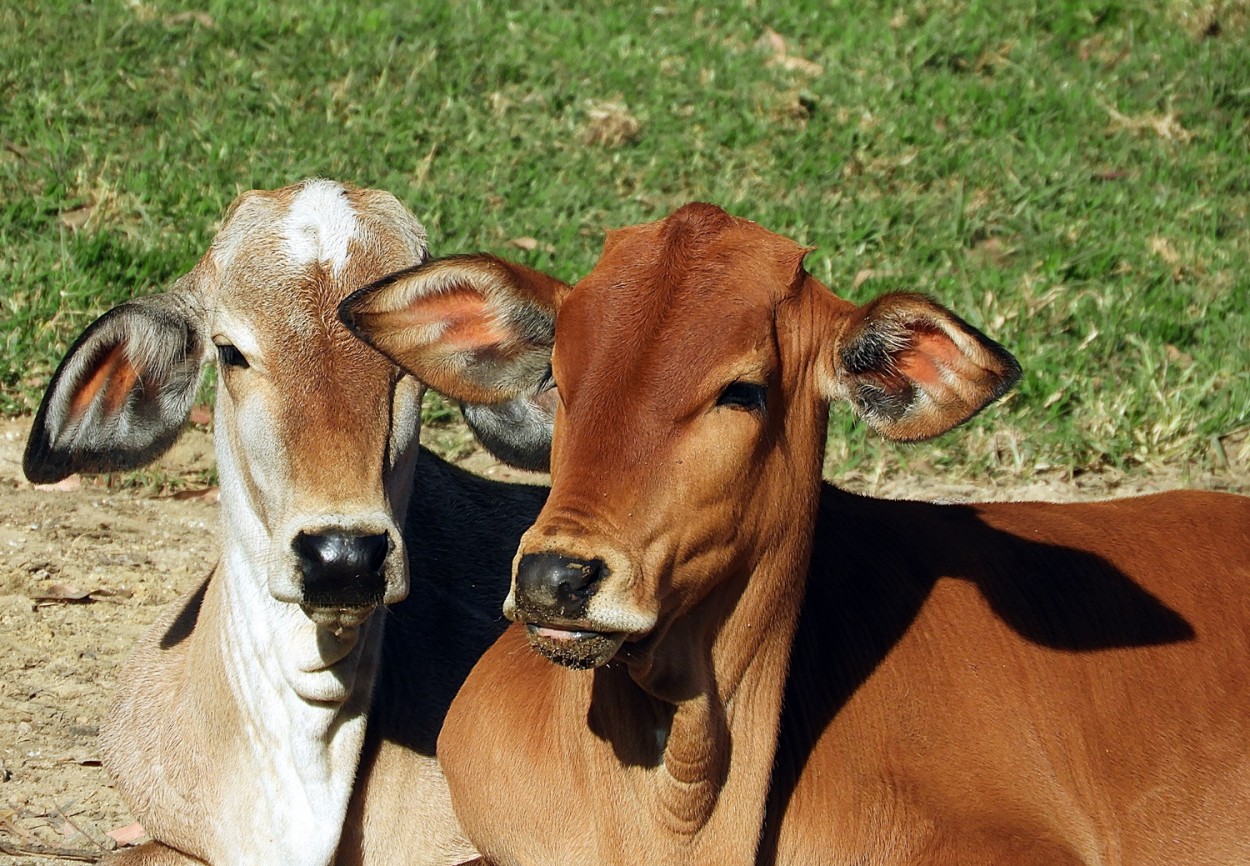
(319, 225)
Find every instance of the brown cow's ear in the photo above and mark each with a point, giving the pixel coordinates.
(477, 328)
(912, 369)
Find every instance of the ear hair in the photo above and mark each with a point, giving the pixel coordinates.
(119, 398)
(913, 369)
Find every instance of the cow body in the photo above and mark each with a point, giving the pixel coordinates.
(286, 711)
(1019, 683)
(1005, 683)
(782, 673)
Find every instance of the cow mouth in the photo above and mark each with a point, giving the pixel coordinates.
(575, 648)
(338, 618)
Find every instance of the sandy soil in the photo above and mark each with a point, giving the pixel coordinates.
(124, 553)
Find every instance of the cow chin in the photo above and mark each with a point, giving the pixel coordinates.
(324, 663)
(574, 648)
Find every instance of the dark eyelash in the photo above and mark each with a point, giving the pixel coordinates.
(744, 395)
(230, 356)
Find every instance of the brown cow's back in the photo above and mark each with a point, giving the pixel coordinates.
(1025, 670)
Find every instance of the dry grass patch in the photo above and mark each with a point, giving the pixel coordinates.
(610, 125)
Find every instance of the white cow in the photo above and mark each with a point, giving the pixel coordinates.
(242, 738)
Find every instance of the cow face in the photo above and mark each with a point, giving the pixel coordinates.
(694, 366)
(315, 433)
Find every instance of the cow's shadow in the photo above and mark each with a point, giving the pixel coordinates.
(874, 565)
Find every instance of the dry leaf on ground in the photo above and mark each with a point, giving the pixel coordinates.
(128, 834)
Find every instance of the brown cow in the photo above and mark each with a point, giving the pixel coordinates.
(784, 673)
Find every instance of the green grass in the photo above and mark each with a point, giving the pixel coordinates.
(1072, 177)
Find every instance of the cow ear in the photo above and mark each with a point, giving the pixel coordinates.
(913, 370)
(478, 329)
(120, 397)
(517, 431)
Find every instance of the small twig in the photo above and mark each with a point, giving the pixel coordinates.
(12, 829)
(51, 852)
(68, 820)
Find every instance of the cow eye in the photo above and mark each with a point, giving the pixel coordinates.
(548, 381)
(743, 395)
(230, 356)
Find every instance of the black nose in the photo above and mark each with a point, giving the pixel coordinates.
(342, 569)
(548, 583)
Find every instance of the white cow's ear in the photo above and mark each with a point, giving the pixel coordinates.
(517, 431)
(913, 369)
(480, 330)
(120, 397)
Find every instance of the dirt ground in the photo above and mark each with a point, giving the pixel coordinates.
(84, 570)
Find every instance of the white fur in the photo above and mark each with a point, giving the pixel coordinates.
(305, 721)
(319, 226)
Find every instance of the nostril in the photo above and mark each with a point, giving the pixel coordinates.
(559, 584)
(340, 568)
(580, 580)
(374, 548)
(310, 550)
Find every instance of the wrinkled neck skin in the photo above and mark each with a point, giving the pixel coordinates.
(297, 757)
(720, 669)
(300, 695)
(710, 785)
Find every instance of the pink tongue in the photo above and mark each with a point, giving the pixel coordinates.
(554, 633)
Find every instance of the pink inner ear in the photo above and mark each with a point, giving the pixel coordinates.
(474, 333)
(928, 350)
(114, 375)
(461, 317)
(918, 367)
(122, 384)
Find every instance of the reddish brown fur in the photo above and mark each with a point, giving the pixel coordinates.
(1013, 683)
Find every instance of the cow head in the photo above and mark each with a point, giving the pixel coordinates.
(694, 367)
(316, 434)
